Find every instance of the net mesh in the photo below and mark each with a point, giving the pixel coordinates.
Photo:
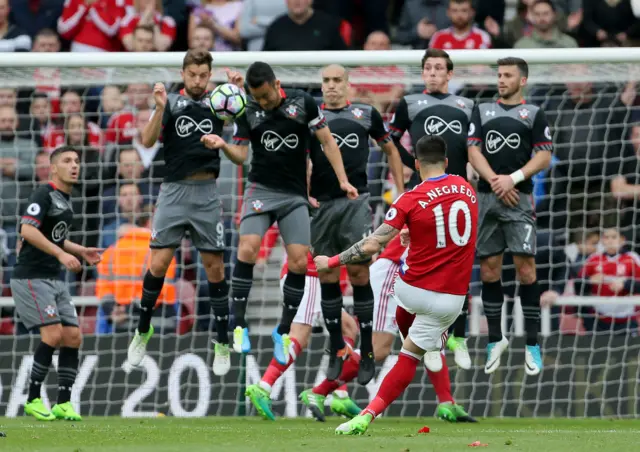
(591, 367)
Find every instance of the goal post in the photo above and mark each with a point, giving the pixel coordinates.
(586, 373)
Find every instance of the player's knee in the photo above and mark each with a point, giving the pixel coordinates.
(358, 274)
(248, 249)
(213, 266)
(330, 277)
(71, 337)
(297, 263)
(526, 271)
(51, 335)
(490, 270)
(160, 261)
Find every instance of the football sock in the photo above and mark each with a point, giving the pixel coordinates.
(275, 369)
(219, 299)
(241, 282)
(363, 310)
(332, 312)
(404, 320)
(41, 362)
(67, 371)
(530, 301)
(292, 291)
(394, 383)
(459, 327)
(441, 382)
(349, 372)
(151, 288)
(492, 300)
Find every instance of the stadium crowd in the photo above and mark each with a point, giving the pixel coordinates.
(594, 184)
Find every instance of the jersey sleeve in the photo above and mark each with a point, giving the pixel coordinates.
(400, 121)
(378, 130)
(315, 118)
(586, 271)
(541, 133)
(396, 216)
(241, 131)
(475, 128)
(39, 203)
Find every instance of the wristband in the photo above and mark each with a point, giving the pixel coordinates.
(517, 177)
(334, 261)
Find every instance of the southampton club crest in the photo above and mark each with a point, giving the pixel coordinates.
(257, 205)
(292, 111)
(50, 311)
(460, 103)
(357, 113)
(524, 113)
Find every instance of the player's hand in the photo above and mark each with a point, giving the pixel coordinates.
(213, 141)
(160, 95)
(617, 286)
(501, 184)
(548, 298)
(70, 262)
(404, 237)
(235, 78)
(93, 256)
(322, 263)
(352, 192)
(314, 202)
(511, 198)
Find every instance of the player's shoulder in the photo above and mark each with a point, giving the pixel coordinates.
(633, 257)
(295, 94)
(415, 97)
(484, 35)
(43, 190)
(358, 108)
(533, 108)
(464, 102)
(440, 33)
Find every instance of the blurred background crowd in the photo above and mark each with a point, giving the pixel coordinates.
(594, 184)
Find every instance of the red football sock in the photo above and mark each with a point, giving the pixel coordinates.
(404, 321)
(441, 382)
(349, 341)
(349, 372)
(275, 369)
(393, 384)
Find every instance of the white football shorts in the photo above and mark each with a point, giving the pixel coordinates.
(382, 275)
(435, 313)
(310, 309)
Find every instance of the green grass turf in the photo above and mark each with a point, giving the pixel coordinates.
(253, 434)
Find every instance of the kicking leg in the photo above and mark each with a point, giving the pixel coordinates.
(456, 341)
(363, 301)
(530, 300)
(492, 300)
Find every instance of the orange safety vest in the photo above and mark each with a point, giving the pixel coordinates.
(123, 266)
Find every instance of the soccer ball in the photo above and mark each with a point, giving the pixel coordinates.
(227, 102)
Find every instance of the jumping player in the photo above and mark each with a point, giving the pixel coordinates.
(441, 214)
(279, 124)
(339, 222)
(42, 300)
(188, 200)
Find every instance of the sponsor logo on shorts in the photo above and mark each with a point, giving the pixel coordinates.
(50, 310)
(257, 205)
(59, 231)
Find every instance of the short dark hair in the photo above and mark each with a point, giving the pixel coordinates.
(438, 53)
(47, 32)
(431, 150)
(197, 57)
(523, 67)
(260, 73)
(462, 1)
(582, 234)
(62, 150)
(545, 2)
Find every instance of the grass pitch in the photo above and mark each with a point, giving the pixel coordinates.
(284, 435)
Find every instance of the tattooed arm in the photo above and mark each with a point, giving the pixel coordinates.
(362, 250)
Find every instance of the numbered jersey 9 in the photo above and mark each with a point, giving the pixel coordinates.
(442, 217)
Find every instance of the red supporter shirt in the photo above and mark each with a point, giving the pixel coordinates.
(121, 127)
(313, 271)
(375, 73)
(625, 266)
(394, 251)
(442, 216)
(95, 27)
(54, 137)
(447, 39)
(129, 23)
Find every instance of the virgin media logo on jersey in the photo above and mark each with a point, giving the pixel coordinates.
(185, 126)
(272, 142)
(59, 231)
(495, 141)
(351, 141)
(435, 125)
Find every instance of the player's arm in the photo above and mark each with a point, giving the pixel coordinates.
(399, 124)
(159, 117)
(366, 247)
(474, 147)
(237, 151)
(379, 133)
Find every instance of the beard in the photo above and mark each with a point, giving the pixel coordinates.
(194, 92)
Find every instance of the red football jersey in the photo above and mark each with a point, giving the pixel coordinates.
(623, 266)
(394, 251)
(447, 39)
(442, 216)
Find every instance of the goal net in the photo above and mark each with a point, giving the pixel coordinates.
(589, 343)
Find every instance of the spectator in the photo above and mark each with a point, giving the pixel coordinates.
(546, 33)
(46, 40)
(625, 187)
(615, 272)
(420, 19)
(70, 103)
(312, 30)
(9, 98)
(202, 38)
(43, 167)
(151, 158)
(221, 16)
(121, 125)
(148, 13)
(143, 39)
(462, 34)
(12, 37)
(516, 28)
(33, 16)
(130, 206)
(119, 284)
(39, 117)
(606, 20)
(255, 19)
(75, 132)
(491, 14)
(570, 15)
(385, 88)
(111, 101)
(92, 26)
(47, 80)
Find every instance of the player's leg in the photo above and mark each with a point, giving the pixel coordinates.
(520, 232)
(341, 403)
(456, 341)
(294, 229)
(259, 394)
(490, 245)
(36, 306)
(435, 312)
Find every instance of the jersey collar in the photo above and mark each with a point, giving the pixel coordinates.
(53, 185)
(500, 102)
(435, 179)
(323, 106)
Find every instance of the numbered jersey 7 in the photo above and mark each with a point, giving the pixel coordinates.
(442, 217)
